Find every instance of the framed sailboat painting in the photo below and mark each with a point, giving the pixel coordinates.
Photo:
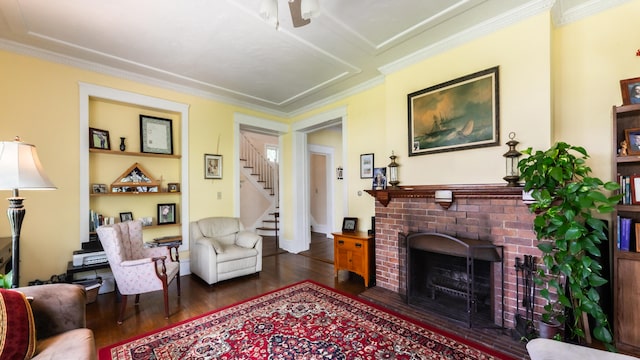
(459, 114)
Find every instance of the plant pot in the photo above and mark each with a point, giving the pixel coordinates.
(549, 330)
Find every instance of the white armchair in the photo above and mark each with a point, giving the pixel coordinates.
(221, 249)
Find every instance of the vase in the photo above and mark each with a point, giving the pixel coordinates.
(548, 330)
(123, 147)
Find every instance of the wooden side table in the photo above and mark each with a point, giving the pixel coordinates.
(354, 251)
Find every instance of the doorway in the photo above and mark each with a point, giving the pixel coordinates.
(302, 131)
(321, 209)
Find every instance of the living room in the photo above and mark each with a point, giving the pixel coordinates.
(557, 82)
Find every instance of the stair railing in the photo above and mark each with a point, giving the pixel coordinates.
(266, 171)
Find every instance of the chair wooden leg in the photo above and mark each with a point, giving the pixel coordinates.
(178, 282)
(123, 305)
(137, 299)
(165, 290)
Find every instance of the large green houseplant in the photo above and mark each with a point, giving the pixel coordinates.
(566, 199)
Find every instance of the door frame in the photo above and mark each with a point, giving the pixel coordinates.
(300, 172)
(329, 165)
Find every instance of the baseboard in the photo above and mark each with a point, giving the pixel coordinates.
(185, 267)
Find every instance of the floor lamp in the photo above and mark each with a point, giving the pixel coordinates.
(19, 169)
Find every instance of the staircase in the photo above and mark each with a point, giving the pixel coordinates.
(265, 173)
(271, 226)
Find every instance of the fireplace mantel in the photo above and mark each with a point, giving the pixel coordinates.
(463, 191)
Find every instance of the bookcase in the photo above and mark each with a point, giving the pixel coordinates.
(626, 262)
(108, 166)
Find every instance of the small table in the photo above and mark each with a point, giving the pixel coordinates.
(71, 270)
(170, 241)
(354, 251)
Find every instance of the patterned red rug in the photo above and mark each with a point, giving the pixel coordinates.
(302, 321)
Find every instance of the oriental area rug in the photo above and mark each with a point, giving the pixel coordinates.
(302, 321)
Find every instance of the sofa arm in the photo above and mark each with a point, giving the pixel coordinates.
(57, 308)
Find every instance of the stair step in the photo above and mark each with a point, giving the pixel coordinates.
(269, 221)
(264, 228)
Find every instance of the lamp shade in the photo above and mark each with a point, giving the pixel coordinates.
(20, 167)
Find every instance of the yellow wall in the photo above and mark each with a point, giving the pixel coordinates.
(555, 84)
(590, 57)
(40, 103)
(524, 96)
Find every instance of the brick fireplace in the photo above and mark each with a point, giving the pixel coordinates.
(493, 213)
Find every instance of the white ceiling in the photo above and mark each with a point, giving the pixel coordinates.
(223, 49)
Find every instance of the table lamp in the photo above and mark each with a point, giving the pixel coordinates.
(20, 169)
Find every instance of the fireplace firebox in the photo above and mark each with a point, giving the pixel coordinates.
(455, 277)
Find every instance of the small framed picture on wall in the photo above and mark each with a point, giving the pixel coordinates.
(212, 166)
(126, 216)
(630, 89)
(166, 214)
(99, 139)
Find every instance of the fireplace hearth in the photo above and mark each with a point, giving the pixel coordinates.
(454, 277)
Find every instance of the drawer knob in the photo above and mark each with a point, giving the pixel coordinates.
(341, 242)
(358, 245)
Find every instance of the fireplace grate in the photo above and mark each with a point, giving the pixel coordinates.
(453, 277)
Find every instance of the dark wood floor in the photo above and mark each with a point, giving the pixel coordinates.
(279, 269)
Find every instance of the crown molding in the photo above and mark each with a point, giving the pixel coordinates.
(485, 28)
(563, 16)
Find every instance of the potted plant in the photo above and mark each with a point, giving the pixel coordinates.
(5, 280)
(566, 199)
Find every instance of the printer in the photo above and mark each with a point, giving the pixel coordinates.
(89, 257)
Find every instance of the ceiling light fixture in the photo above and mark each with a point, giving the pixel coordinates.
(309, 9)
(269, 12)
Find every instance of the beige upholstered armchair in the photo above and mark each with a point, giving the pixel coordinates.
(137, 269)
(221, 249)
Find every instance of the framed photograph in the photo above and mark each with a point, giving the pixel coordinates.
(126, 216)
(635, 189)
(350, 224)
(98, 188)
(166, 214)
(156, 135)
(173, 187)
(630, 89)
(380, 179)
(366, 166)
(99, 139)
(212, 166)
(458, 114)
(632, 137)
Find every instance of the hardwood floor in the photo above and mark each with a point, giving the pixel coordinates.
(320, 248)
(198, 297)
(279, 269)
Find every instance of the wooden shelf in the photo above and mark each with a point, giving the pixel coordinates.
(135, 193)
(131, 153)
(467, 191)
(629, 208)
(152, 227)
(628, 159)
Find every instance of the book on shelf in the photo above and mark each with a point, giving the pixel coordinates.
(625, 233)
(96, 220)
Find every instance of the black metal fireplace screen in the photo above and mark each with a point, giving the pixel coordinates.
(454, 277)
